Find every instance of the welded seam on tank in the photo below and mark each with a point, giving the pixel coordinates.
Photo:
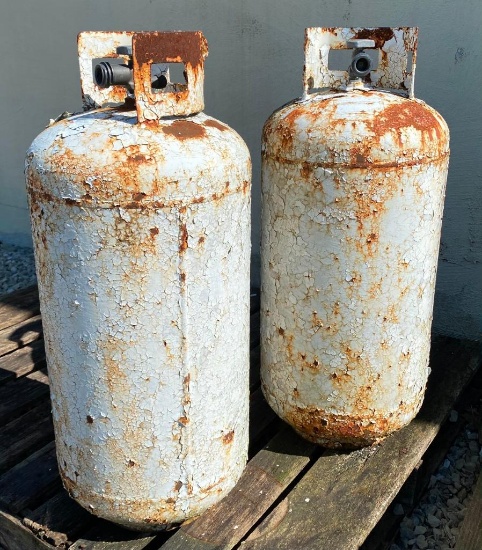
(129, 205)
(184, 438)
(430, 160)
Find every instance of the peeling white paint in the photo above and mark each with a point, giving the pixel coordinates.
(345, 349)
(142, 254)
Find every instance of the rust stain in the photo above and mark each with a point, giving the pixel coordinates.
(405, 115)
(306, 170)
(138, 196)
(177, 486)
(335, 431)
(183, 420)
(380, 35)
(131, 464)
(154, 231)
(216, 124)
(201, 240)
(171, 47)
(183, 244)
(209, 488)
(184, 129)
(228, 438)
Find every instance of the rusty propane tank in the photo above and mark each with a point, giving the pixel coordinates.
(353, 183)
(141, 222)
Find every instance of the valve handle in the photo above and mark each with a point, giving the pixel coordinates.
(141, 50)
(392, 73)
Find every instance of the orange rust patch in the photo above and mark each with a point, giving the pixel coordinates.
(380, 35)
(215, 124)
(405, 115)
(182, 277)
(176, 46)
(154, 231)
(138, 196)
(183, 420)
(281, 331)
(177, 486)
(184, 129)
(187, 379)
(183, 238)
(201, 240)
(228, 438)
(335, 431)
(306, 170)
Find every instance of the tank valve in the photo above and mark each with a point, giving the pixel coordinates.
(361, 63)
(107, 74)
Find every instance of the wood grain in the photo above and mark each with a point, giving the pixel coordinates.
(59, 519)
(21, 334)
(25, 434)
(470, 535)
(341, 498)
(266, 476)
(17, 396)
(14, 536)
(33, 480)
(18, 306)
(22, 362)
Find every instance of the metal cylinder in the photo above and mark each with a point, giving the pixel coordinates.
(142, 244)
(352, 196)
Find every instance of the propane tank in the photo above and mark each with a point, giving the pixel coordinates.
(353, 182)
(141, 223)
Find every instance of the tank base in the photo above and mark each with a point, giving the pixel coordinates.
(141, 515)
(346, 432)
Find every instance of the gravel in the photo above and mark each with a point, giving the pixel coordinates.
(17, 268)
(434, 524)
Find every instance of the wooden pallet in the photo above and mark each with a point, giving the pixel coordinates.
(291, 495)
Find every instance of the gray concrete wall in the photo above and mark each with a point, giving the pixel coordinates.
(254, 66)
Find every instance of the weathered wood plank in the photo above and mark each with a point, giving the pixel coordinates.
(25, 435)
(383, 533)
(34, 479)
(20, 334)
(107, 536)
(58, 520)
(22, 362)
(470, 535)
(341, 498)
(18, 306)
(266, 476)
(15, 536)
(261, 417)
(18, 396)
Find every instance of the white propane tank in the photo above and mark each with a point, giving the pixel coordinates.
(353, 183)
(141, 223)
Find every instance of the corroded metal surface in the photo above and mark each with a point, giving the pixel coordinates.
(393, 71)
(353, 186)
(189, 48)
(142, 242)
(100, 45)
